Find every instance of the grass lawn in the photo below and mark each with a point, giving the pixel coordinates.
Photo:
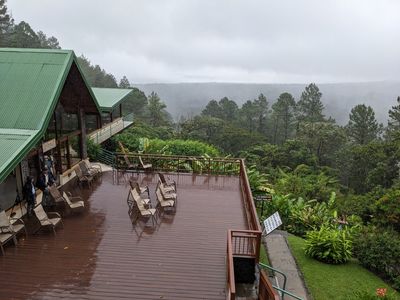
(335, 281)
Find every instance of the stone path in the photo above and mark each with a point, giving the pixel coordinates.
(281, 258)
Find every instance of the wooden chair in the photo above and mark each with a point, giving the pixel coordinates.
(140, 189)
(144, 209)
(88, 171)
(75, 204)
(164, 203)
(55, 194)
(17, 224)
(94, 167)
(83, 178)
(168, 182)
(129, 164)
(45, 221)
(145, 167)
(167, 192)
(132, 196)
(9, 231)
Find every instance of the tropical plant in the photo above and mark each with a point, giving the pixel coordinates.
(329, 244)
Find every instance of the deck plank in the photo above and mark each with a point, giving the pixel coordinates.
(101, 255)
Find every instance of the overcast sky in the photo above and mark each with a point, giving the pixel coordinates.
(277, 41)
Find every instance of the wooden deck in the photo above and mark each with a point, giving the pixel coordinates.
(101, 255)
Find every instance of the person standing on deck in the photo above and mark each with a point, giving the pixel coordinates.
(43, 182)
(29, 194)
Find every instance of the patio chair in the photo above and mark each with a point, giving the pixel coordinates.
(166, 192)
(133, 196)
(55, 194)
(140, 190)
(17, 225)
(75, 204)
(169, 186)
(83, 178)
(128, 163)
(44, 219)
(8, 231)
(87, 171)
(143, 206)
(145, 167)
(6, 237)
(94, 167)
(164, 203)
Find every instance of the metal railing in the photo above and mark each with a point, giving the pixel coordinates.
(282, 290)
(108, 130)
(180, 163)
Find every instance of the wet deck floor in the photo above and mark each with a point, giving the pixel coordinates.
(99, 254)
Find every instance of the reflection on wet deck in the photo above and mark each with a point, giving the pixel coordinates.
(101, 255)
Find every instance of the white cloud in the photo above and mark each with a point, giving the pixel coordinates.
(227, 40)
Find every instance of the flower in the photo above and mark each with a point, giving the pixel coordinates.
(381, 292)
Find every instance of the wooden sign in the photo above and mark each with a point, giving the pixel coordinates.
(271, 223)
(51, 144)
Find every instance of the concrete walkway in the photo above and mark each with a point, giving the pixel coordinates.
(281, 258)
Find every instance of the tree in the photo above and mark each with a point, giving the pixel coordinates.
(363, 127)
(23, 36)
(283, 117)
(136, 103)
(229, 109)
(393, 130)
(45, 42)
(96, 76)
(261, 113)
(157, 115)
(5, 23)
(248, 114)
(212, 109)
(310, 106)
(124, 83)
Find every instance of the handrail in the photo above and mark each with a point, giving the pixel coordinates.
(251, 209)
(264, 266)
(231, 295)
(282, 290)
(226, 159)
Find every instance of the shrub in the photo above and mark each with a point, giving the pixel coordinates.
(387, 209)
(329, 245)
(93, 150)
(380, 294)
(181, 147)
(379, 251)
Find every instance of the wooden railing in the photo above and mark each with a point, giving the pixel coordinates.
(180, 163)
(241, 243)
(248, 201)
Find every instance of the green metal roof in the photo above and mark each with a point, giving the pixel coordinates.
(31, 81)
(109, 98)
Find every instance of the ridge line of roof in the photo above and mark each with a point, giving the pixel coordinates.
(38, 50)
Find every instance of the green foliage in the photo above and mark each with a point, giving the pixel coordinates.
(363, 126)
(379, 251)
(326, 281)
(258, 181)
(387, 209)
(329, 245)
(157, 114)
(306, 183)
(366, 295)
(93, 150)
(181, 147)
(95, 75)
(310, 106)
(283, 118)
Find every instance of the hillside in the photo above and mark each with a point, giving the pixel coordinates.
(189, 98)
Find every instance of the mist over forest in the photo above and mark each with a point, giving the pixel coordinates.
(186, 99)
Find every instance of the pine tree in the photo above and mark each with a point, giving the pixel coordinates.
(6, 23)
(124, 83)
(310, 106)
(283, 117)
(363, 126)
(393, 130)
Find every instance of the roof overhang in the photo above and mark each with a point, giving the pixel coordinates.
(109, 98)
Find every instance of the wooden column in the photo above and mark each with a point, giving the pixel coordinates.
(82, 139)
